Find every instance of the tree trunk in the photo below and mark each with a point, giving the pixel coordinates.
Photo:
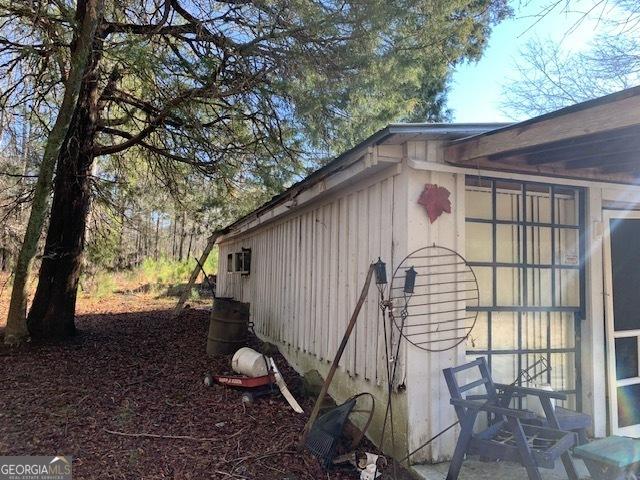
(196, 271)
(53, 310)
(190, 242)
(89, 14)
(122, 260)
(173, 242)
(155, 253)
(148, 226)
(136, 260)
(26, 142)
(52, 313)
(182, 237)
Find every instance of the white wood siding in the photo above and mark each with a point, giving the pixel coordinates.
(308, 267)
(307, 271)
(429, 410)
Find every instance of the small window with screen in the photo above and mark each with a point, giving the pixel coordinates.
(239, 262)
(238, 266)
(246, 261)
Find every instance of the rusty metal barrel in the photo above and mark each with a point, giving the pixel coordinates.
(228, 326)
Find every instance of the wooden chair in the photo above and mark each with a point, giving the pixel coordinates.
(508, 438)
(570, 421)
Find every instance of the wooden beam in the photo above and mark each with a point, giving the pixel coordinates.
(625, 157)
(555, 171)
(582, 152)
(196, 271)
(584, 143)
(621, 112)
(631, 166)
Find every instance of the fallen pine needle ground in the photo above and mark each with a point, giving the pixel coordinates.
(126, 398)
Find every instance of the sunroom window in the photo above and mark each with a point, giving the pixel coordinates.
(524, 242)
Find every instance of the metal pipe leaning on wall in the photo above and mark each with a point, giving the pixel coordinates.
(336, 359)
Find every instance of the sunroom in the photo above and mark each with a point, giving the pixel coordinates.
(552, 220)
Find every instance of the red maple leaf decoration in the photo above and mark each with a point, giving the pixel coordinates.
(435, 200)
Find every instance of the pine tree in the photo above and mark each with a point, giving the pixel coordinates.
(232, 90)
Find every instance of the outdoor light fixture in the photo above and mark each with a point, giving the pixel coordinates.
(381, 272)
(410, 280)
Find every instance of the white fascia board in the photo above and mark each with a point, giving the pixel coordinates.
(373, 159)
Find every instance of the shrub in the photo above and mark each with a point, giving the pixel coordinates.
(165, 272)
(100, 285)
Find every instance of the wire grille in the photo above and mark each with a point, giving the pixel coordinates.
(432, 305)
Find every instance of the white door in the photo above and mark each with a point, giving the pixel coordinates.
(622, 312)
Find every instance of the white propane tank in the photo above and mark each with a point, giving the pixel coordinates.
(247, 361)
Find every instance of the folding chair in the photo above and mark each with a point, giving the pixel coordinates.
(508, 438)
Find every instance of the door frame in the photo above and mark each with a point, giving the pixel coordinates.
(610, 336)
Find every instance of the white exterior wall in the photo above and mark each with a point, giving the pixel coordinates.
(429, 409)
(307, 271)
(308, 267)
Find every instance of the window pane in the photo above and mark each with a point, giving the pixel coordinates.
(504, 368)
(568, 287)
(629, 405)
(504, 330)
(562, 330)
(539, 287)
(535, 329)
(478, 199)
(567, 246)
(479, 244)
(508, 201)
(484, 275)
(538, 245)
(534, 375)
(479, 336)
(509, 244)
(563, 375)
(625, 258)
(509, 286)
(247, 261)
(626, 357)
(538, 203)
(566, 205)
(535, 365)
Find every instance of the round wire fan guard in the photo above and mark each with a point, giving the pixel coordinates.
(433, 298)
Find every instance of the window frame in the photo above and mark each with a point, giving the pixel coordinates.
(239, 262)
(525, 265)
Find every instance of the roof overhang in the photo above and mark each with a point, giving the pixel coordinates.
(363, 159)
(595, 140)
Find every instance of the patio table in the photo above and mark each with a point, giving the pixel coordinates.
(610, 458)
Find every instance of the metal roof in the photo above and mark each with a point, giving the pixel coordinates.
(394, 133)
